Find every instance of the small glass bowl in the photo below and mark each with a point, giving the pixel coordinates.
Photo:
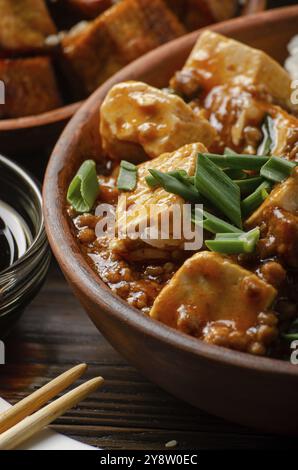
(20, 282)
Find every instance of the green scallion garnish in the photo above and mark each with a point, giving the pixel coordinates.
(254, 200)
(173, 185)
(235, 243)
(218, 188)
(248, 185)
(178, 174)
(229, 151)
(236, 174)
(127, 179)
(292, 334)
(211, 223)
(239, 162)
(277, 169)
(268, 131)
(84, 188)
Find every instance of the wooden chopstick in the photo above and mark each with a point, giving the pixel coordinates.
(37, 399)
(33, 424)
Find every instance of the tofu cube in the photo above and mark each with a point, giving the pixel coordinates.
(284, 196)
(30, 87)
(278, 219)
(24, 26)
(197, 13)
(117, 37)
(138, 121)
(217, 60)
(285, 133)
(133, 209)
(211, 294)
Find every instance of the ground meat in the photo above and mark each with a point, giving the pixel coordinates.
(273, 273)
(255, 340)
(280, 236)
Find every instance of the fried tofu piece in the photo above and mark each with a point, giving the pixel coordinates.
(284, 196)
(24, 26)
(285, 133)
(89, 8)
(117, 37)
(133, 209)
(278, 219)
(30, 87)
(216, 300)
(198, 13)
(137, 121)
(221, 10)
(217, 60)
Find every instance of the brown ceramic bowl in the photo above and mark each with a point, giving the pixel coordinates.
(23, 136)
(259, 392)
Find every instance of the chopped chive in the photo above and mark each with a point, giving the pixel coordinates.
(179, 174)
(128, 166)
(218, 188)
(229, 151)
(127, 179)
(291, 336)
(233, 243)
(236, 174)
(175, 186)
(84, 188)
(211, 223)
(268, 131)
(277, 169)
(228, 236)
(252, 202)
(240, 162)
(151, 181)
(247, 186)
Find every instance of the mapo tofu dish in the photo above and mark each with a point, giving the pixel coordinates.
(222, 142)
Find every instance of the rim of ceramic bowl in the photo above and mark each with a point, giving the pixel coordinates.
(40, 234)
(64, 113)
(80, 273)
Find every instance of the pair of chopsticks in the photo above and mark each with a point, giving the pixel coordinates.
(23, 421)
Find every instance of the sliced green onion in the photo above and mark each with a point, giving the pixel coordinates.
(268, 131)
(175, 186)
(179, 174)
(233, 243)
(292, 335)
(236, 174)
(218, 188)
(248, 185)
(127, 179)
(229, 151)
(277, 169)
(84, 188)
(152, 182)
(240, 162)
(252, 202)
(211, 223)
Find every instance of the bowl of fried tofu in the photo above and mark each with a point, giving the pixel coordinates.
(215, 326)
(54, 54)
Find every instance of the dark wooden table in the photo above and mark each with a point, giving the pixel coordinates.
(129, 412)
